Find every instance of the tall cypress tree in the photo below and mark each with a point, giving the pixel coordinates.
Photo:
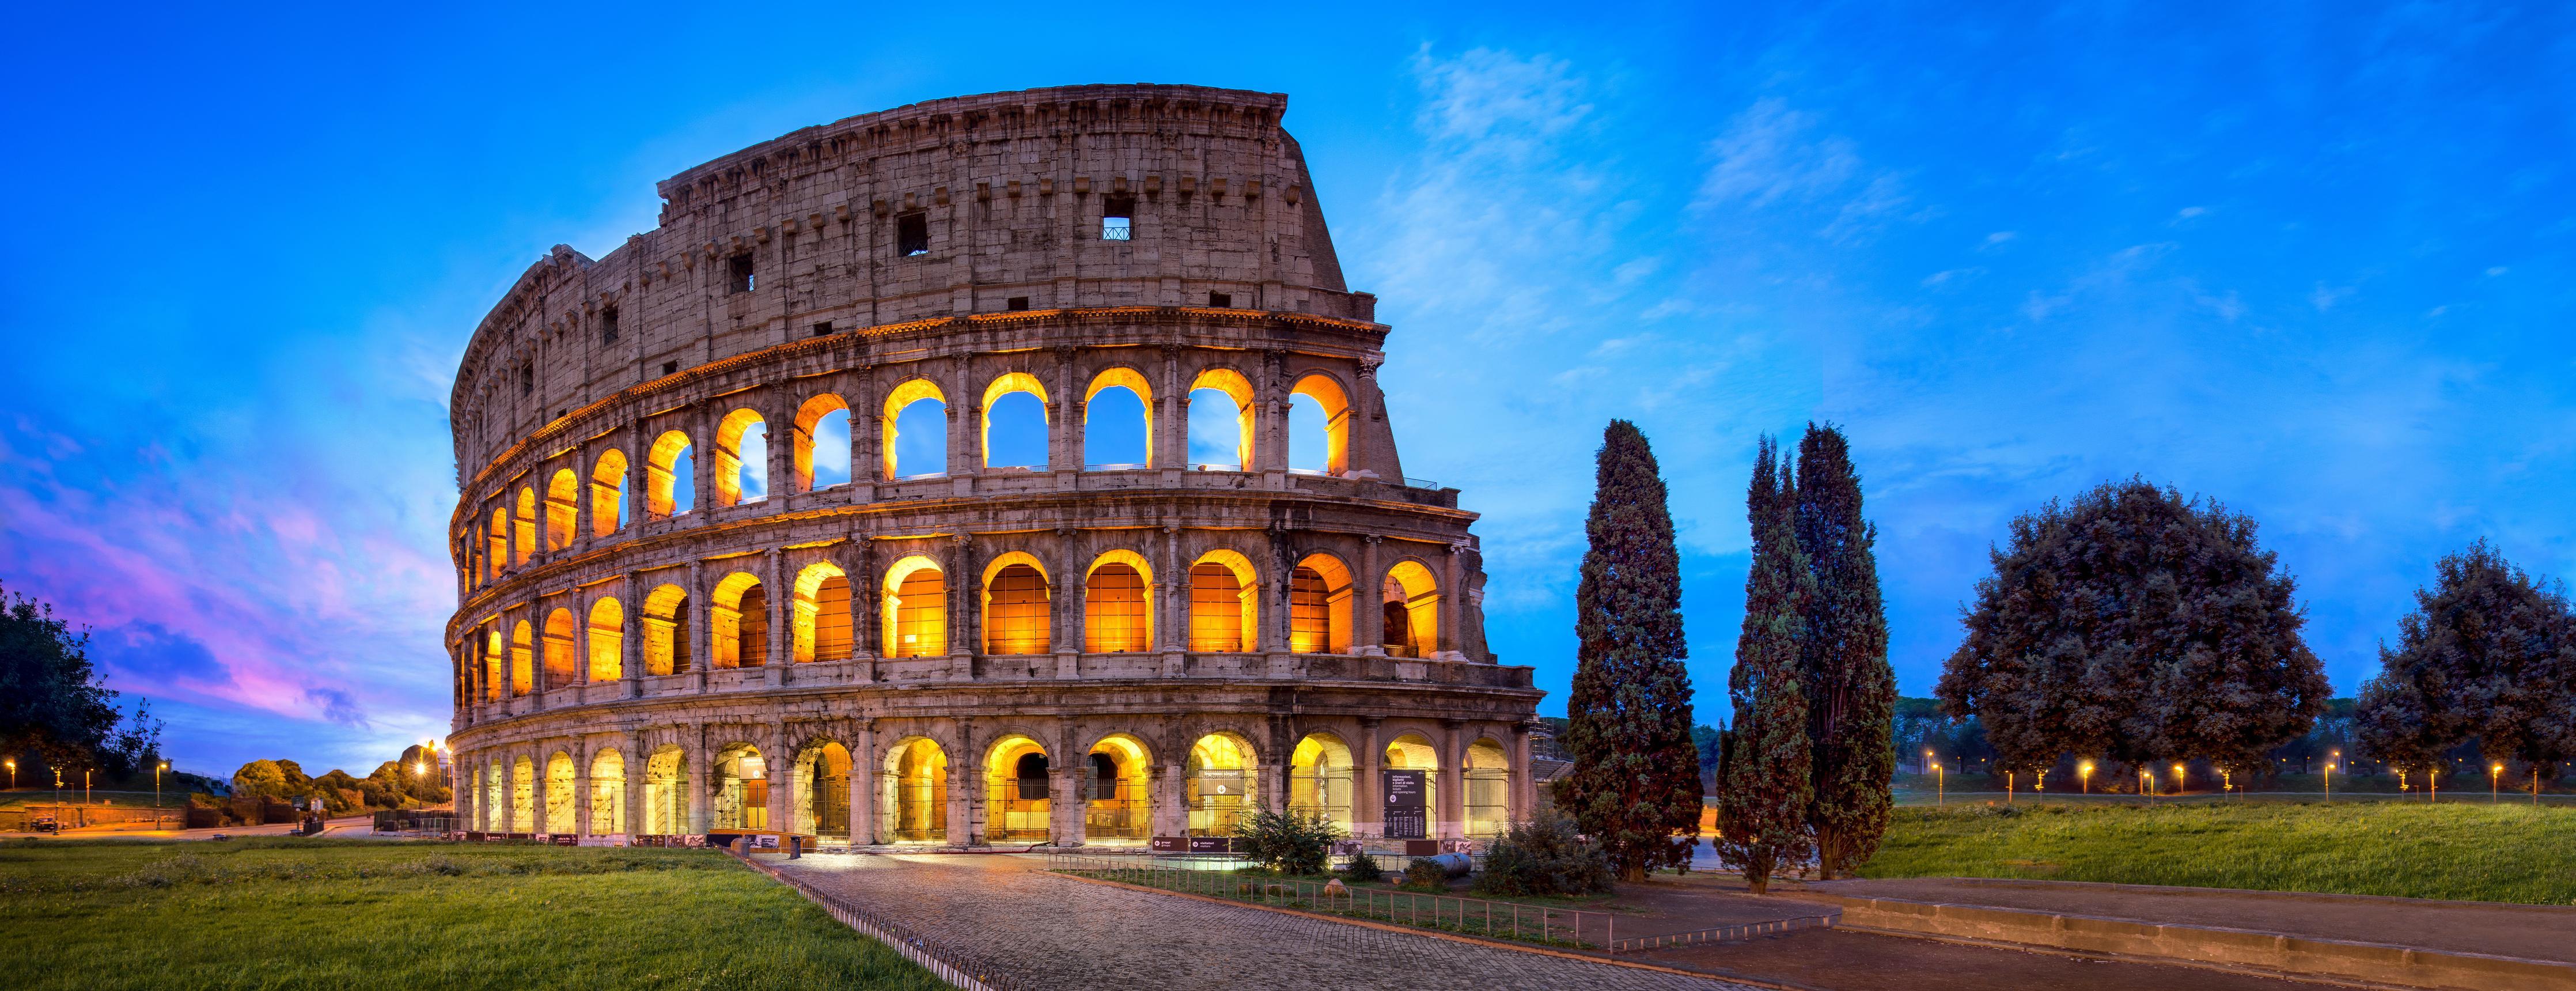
(1764, 783)
(1635, 782)
(1851, 690)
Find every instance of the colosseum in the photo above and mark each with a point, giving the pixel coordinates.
(857, 501)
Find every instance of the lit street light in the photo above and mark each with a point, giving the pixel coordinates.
(2330, 781)
(13, 775)
(1940, 786)
(2495, 777)
(156, 792)
(2085, 772)
(2178, 779)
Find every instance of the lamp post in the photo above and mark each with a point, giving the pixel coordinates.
(1940, 786)
(2084, 772)
(2146, 782)
(157, 768)
(2178, 778)
(2008, 785)
(2331, 757)
(2495, 777)
(1927, 761)
(13, 774)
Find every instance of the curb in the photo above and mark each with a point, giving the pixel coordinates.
(1435, 934)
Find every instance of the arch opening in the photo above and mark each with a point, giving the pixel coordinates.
(666, 630)
(1016, 424)
(1218, 788)
(1223, 598)
(1319, 427)
(563, 649)
(563, 502)
(496, 789)
(523, 795)
(915, 796)
(915, 430)
(608, 493)
(1118, 422)
(669, 486)
(523, 527)
(523, 678)
(742, 458)
(1115, 788)
(1016, 790)
(741, 798)
(607, 640)
(738, 620)
(1114, 616)
(1319, 779)
(821, 614)
(1488, 780)
(823, 791)
(1319, 606)
(1411, 610)
(608, 792)
(1412, 752)
(1220, 421)
(820, 456)
(499, 536)
(666, 807)
(916, 609)
(560, 782)
(1015, 606)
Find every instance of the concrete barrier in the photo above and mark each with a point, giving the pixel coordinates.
(2235, 948)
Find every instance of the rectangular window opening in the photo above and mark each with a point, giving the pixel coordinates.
(608, 326)
(1017, 303)
(670, 368)
(1221, 300)
(1118, 218)
(823, 329)
(527, 379)
(738, 270)
(912, 235)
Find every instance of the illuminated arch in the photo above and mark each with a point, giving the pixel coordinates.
(1017, 789)
(732, 473)
(1236, 388)
(499, 534)
(666, 800)
(1003, 385)
(915, 608)
(819, 614)
(1488, 774)
(914, 796)
(906, 394)
(819, 791)
(1223, 603)
(741, 793)
(563, 649)
(608, 792)
(660, 479)
(1117, 777)
(738, 622)
(523, 795)
(1016, 594)
(1133, 381)
(496, 815)
(1320, 774)
(666, 630)
(1219, 785)
(607, 492)
(1336, 405)
(1411, 609)
(1319, 606)
(563, 502)
(496, 666)
(523, 527)
(1116, 615)
(522, 667)
(607, 639)
(1413, 752)
(560, 781)
(809, 419)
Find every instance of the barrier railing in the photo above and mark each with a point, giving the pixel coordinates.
(1540, 924)
(957, 968)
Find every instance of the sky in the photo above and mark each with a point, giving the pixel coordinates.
(2308, 260)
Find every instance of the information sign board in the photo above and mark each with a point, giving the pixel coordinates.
(1405, 814)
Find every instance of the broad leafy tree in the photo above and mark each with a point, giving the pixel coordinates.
(1765, 777)
(2136, 625)
(2488, 654)
(51, 702)
(1635, 782)
(1850, 689)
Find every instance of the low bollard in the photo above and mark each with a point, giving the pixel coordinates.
(795, 847)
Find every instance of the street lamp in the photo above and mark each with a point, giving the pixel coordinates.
(2178, 778)
(2495, 777)
(2146, 782)
(2085, 772)
(1940, 786)
(13, 774)
(157, 768)
(2330, 781)
(1927, 761)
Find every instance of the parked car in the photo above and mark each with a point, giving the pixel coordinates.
(45, 824)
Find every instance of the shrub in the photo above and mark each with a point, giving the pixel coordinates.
(1544, 856)
(1364, 868)
(1425, 874)
(1287, 842)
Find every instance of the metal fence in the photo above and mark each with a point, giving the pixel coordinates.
(1565, 927)
(957, 968)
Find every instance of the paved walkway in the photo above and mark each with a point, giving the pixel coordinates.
(1055, 932)
(2537, 932)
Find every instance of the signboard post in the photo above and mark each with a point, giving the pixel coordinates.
(1405, 814)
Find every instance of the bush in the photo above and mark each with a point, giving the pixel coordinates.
(1544, 856)
(1364, 868)
(1286, 842)
(1425, 874)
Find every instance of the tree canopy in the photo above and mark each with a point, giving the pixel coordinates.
(52, 702)
(1850, 688)
(2137, 625)
(2488, 654)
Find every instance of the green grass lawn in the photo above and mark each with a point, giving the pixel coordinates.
(2468, 851)
(276, 913)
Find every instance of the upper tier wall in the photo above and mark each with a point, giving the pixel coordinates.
(785, 239)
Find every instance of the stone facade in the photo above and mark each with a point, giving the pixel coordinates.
(1174, 642)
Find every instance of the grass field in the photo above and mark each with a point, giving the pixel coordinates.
(2468, 851)
(275, 913)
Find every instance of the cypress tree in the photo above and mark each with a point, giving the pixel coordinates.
(1850, 689)
(1635, 782)
(1764, 782)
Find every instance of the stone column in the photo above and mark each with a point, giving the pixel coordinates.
(1368, 810)
(702, 642)
(964, 592)
(1172, 419)
(867, 604)
(1524, 785)
(1453, 593)
(1368, 602)
(1453, 782)
(580, 786)
(630, 638)
(699, 777)
(1066, 801)
(964, 805)
(779, 762)
(864, 765)
(784, 438)
(781, 625)
(702, 460)
(965, 410)
(639, 761)
(867, 451)
(1065, 422)
(1274, 771)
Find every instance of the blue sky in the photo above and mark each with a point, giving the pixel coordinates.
(2312, 260)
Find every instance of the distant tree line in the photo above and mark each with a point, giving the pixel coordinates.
(416, 779)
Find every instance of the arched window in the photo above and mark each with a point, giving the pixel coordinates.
(1221, 603)
(821, 455)
(1114, 617)
(523, 527)
(608, 493)
(563, 649)
(1015, 422)
(1015, 606)
(820, 612)
(668, 488)
(1319, 606)
(607, 793)
(742, 458)
(1118, 421)
(1411, 611)
(607, 640)
(916, 430)
(915, 801)
(739, 618)
(523, 676)
(916, 609)
(563, 495)
(1221, 420)
(666, 630)
(1319, 427)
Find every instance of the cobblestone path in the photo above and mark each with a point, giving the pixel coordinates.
(1059, 933)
